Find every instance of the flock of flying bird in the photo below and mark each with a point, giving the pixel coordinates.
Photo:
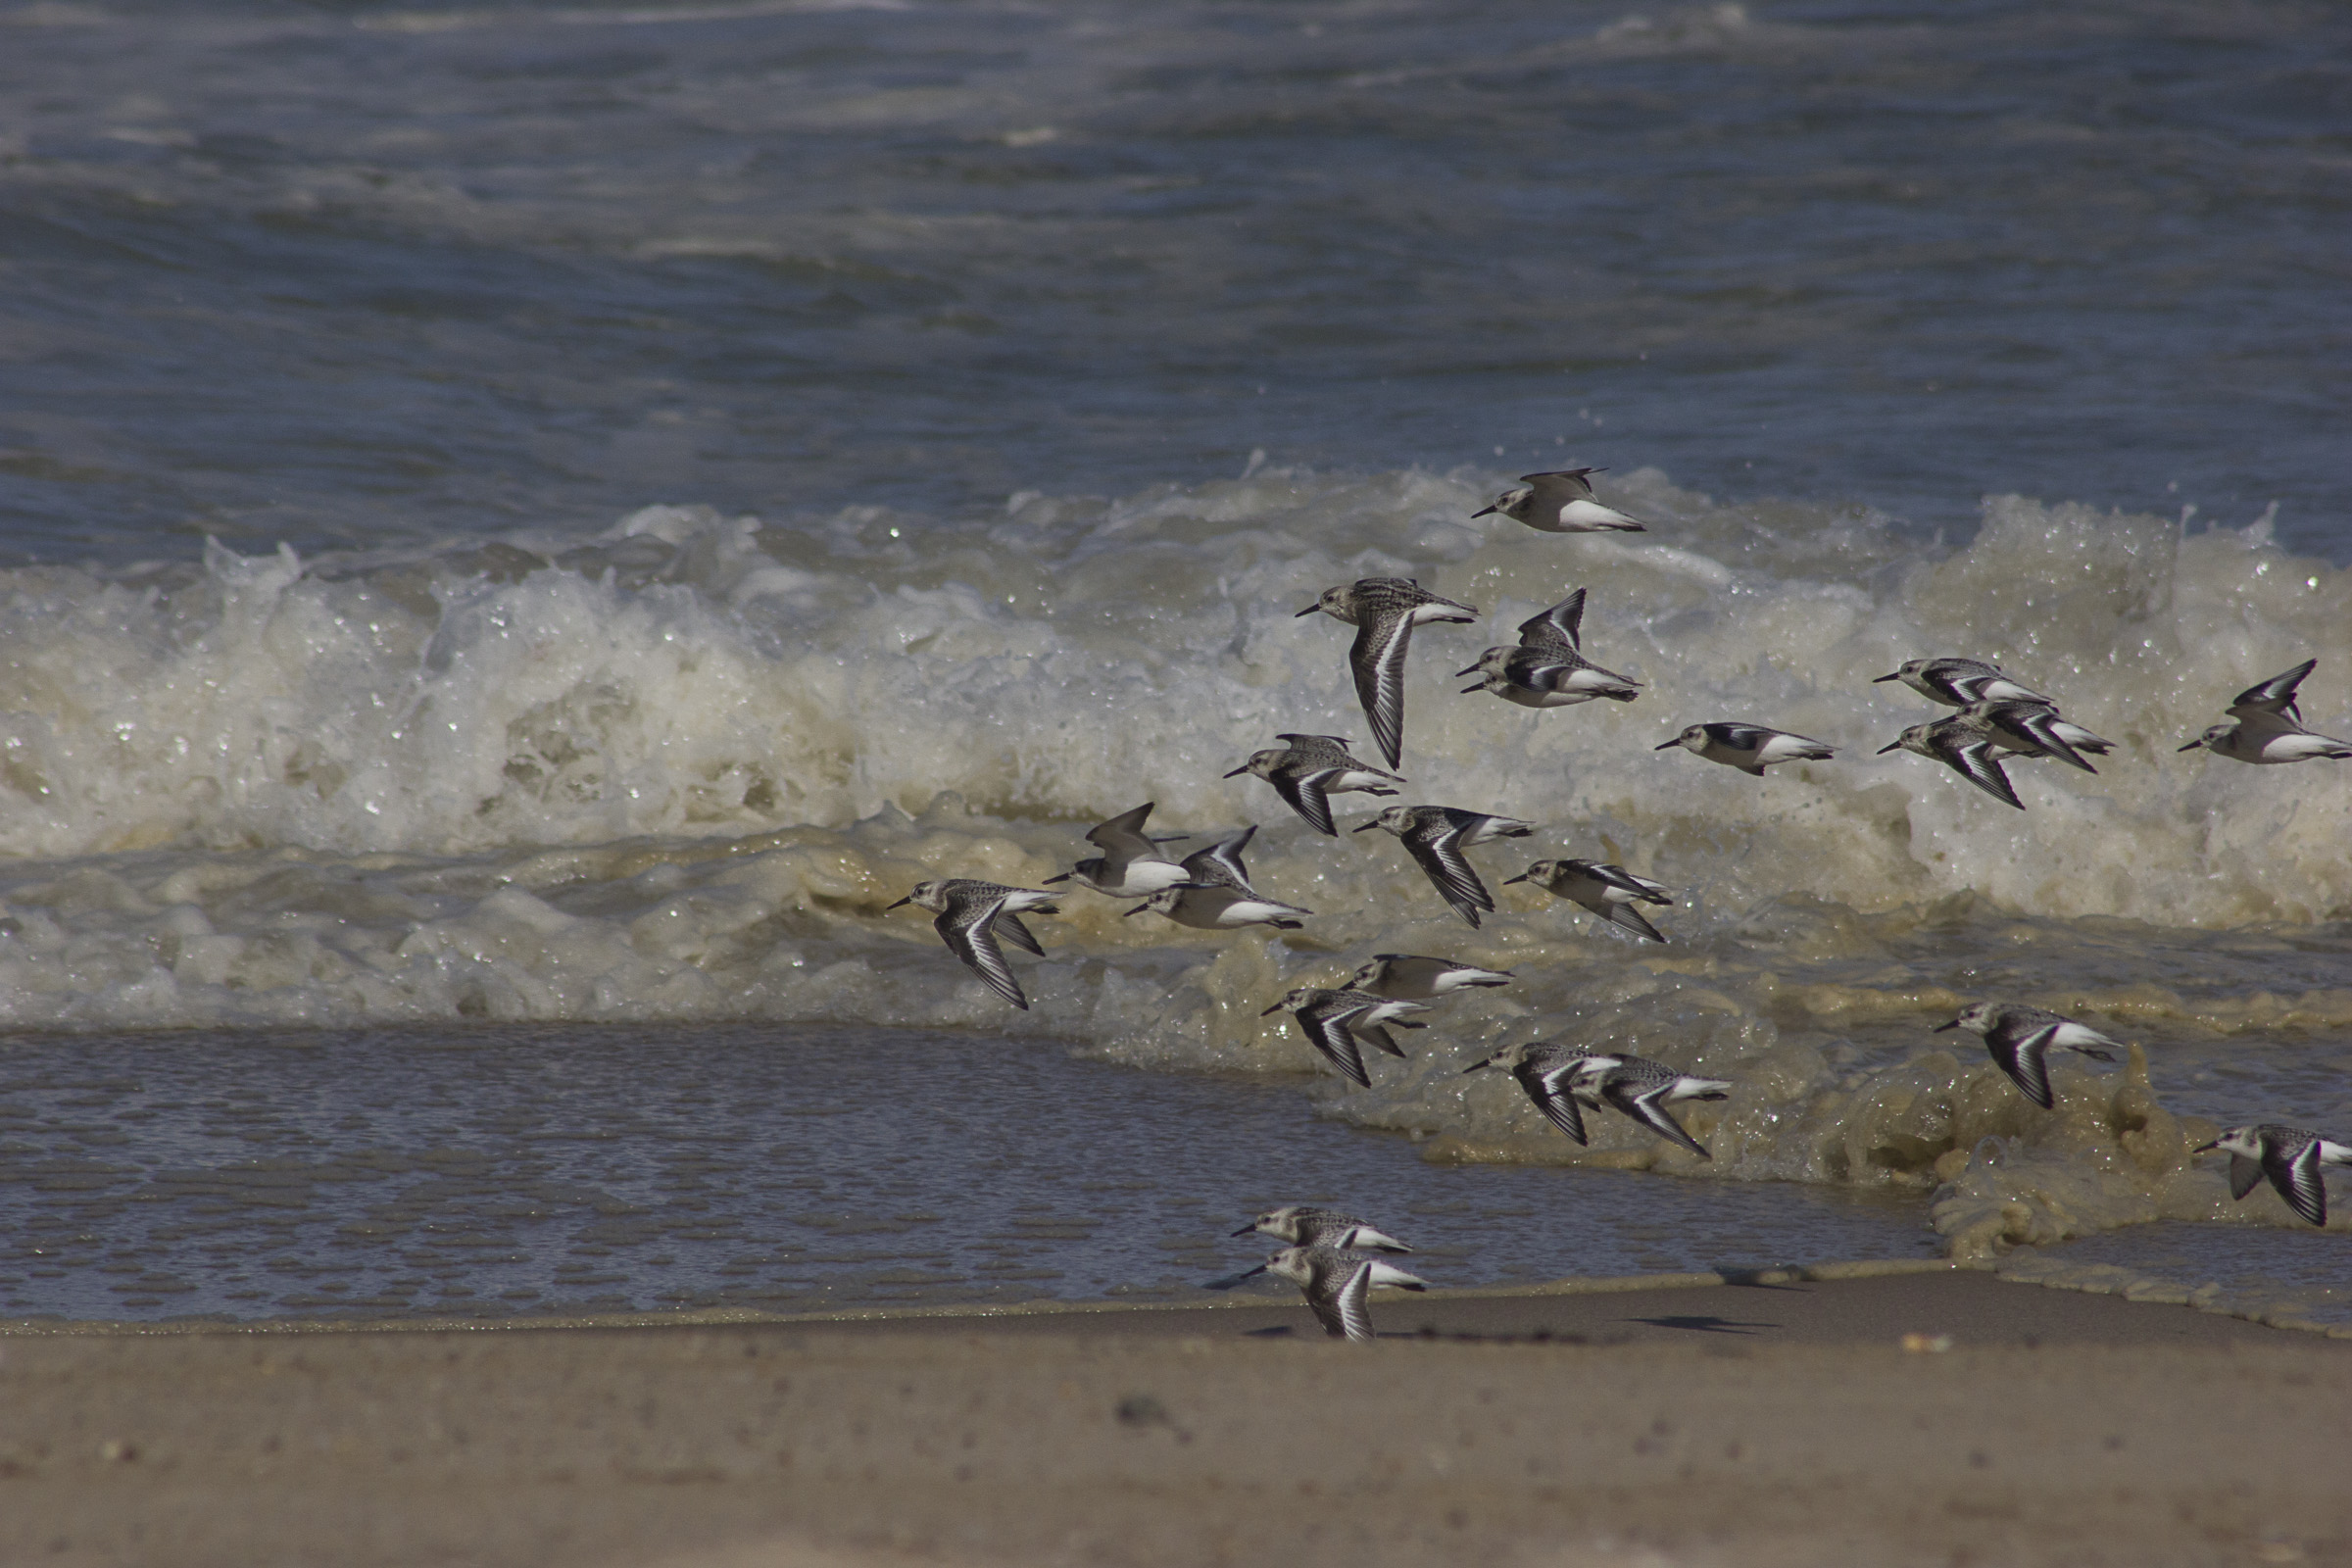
(1332, 1256)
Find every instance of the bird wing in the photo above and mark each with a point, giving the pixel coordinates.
(1617, 876)
(2026, 1062)
(1122, 837)
(2298, 1178)
(1378, 1035)
(1548, 1089)
(1440, 856)
(1325, 1032)
(2244, 1175)
(1377, 661)
(1974, 761)
(1344, 1312)
(1641, 1101)
(1220, 865)
(1746, 737)
(1009, 925)
(2041, 726)
(975, 942)
(1632, 919)
(1561, 626)
(2273, 695)
(1303, 793)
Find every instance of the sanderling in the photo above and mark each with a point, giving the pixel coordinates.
(1333, 1021)
(1383, 611)
(2270, 728)
(971, 916)
(2035, 729)
(1642, 1089)
(1311, 768)
(1560, 501)
(1548, 667)
(1417, 979)
(1435, 837)
(2290, 1156)
(1130, 865)
(1965, 745)
(1547, 677)
(1750, 748)
(1304, 1225)
(1216, 895)
(1958, 682)
(1337, 1284)
(1544, 1070)
(2021, 1039)
(1609, 891)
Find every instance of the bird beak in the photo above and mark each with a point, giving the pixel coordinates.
(2193, 745)
(1878, 680)
(2201, 1149)
(1521, 877)
(1375, 822)
(1895, 747)
(1459, 673)
(1484, 512)
(1480, 687)
(1669, 746)
(1309, 610)
(1244, 1230)
(909, 898)
(1065, 877)
(1268, 1013)
(1237, 772)
(1138, 909)
(1478, 1066)
(1942, 1027)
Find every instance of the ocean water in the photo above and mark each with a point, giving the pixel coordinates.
(524, 529)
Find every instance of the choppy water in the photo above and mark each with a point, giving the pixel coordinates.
(732, 462)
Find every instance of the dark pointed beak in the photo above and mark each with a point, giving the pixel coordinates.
(1942, 1027)
(1309, 610)
(1244, 1230)
(1375, 822)
(1468, 690)
(1065, 877)
(1478, 1066)
(1669, 746)
(1459, 673)
(1521, 877)
(2207, 1149)
(1268, 1013)
(1895, 746)
(2193, 745)
(1237, 772)
(1484, 512)
(1138, 909)
(909, 898)
(1877, 680)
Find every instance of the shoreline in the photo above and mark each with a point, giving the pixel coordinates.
(1914, 1416)
(2043, 1274)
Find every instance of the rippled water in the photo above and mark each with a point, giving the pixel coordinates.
(675, 477)
(387, 1173)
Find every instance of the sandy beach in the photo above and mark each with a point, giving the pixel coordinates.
(1924, 1417)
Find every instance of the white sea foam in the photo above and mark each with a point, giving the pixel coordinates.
(680, 770)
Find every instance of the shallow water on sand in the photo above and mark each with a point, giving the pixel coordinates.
(508, 1170)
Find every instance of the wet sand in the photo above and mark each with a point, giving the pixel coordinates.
(1768, 1423)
